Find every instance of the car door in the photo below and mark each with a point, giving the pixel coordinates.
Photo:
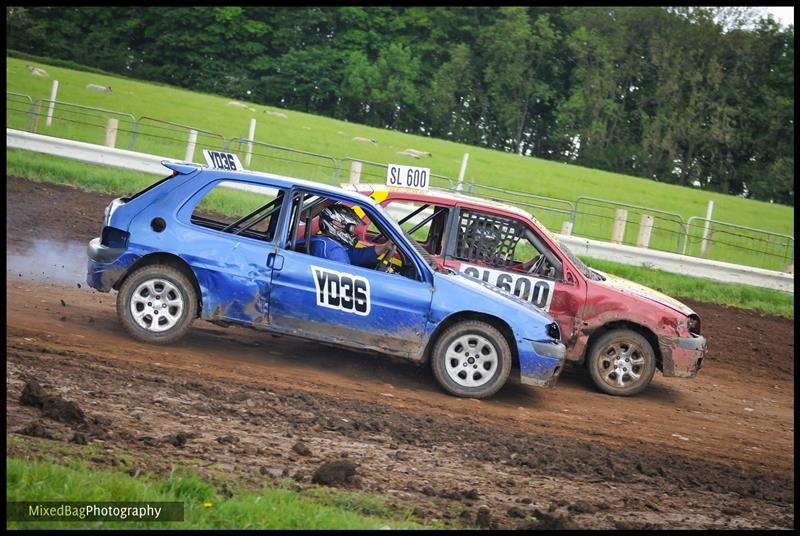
(342, 303)
(229, 253)
(559, 292)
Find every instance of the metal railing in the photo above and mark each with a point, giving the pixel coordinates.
(156, 136)
(81, 123)
(598, 220)
(718, 240)
(540, 206)
(279, 160)
(19, 110)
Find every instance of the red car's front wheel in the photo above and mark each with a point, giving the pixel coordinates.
(621, 362)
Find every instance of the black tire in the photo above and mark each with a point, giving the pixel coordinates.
(174, 321)
(490, 348)
(616, 358)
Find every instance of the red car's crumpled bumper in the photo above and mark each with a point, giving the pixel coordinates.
(682, 356)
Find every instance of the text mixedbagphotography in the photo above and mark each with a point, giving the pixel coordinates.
(95, 511)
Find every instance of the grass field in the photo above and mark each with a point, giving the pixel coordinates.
(44, 168)
(324, 136)
(73, 478)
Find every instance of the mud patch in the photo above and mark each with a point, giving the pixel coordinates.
(180, 439)
(52, 407)
(301, 449)
(341, 473)
(36, 429)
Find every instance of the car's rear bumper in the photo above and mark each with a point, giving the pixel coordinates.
(541, 365)
(106, 265)
(682, 356)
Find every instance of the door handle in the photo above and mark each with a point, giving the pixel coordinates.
(275, 261)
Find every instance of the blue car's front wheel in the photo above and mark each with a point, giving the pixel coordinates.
(471, 359)
(157, 303)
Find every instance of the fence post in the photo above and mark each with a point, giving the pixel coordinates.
(704, 243)
(53, 93)
(645, 228)
(706, 249)
(335, 172)
(190, 147)
(134, 131)
(37, 110)
(461, 173)
(566, 228)
(618, 234)
(250, 138)
(31, 116)
(111, 132)
(355, 172)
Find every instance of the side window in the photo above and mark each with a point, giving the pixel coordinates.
(525, 251)
(487, 239)
(338, 231)
(504, 243)
(240, 208)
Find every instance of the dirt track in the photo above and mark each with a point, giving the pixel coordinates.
(713, 452)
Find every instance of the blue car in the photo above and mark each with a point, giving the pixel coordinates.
(233, 247)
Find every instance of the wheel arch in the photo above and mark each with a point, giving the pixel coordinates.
(169, 259)
(626, 324)
(495, 322)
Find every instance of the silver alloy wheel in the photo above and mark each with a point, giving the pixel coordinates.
(156, 305)
(471, 360)
(621, 364)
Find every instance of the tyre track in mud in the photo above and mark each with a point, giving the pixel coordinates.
(685, 454)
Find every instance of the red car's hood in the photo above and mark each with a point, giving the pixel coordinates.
(629, 287)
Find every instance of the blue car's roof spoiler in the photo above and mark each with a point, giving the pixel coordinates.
(183, 168)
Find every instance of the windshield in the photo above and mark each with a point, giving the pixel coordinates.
(579, 264)
(425, 255)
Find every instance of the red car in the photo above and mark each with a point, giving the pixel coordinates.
(622, 331)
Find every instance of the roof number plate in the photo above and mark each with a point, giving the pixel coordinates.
(220, 160)
(408, 177)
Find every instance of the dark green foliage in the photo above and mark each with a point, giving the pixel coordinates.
(669, 94)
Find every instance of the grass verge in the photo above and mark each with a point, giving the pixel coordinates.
(702, 290)
(205, 506)
(92, 177)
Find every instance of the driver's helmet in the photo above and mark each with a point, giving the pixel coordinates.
(339, 222)
(483, 239)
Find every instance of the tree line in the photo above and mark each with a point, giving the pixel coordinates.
(677, 95)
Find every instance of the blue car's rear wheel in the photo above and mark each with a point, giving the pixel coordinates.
(157, 303)
(471, 359)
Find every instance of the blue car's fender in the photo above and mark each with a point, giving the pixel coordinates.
(541, 358)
